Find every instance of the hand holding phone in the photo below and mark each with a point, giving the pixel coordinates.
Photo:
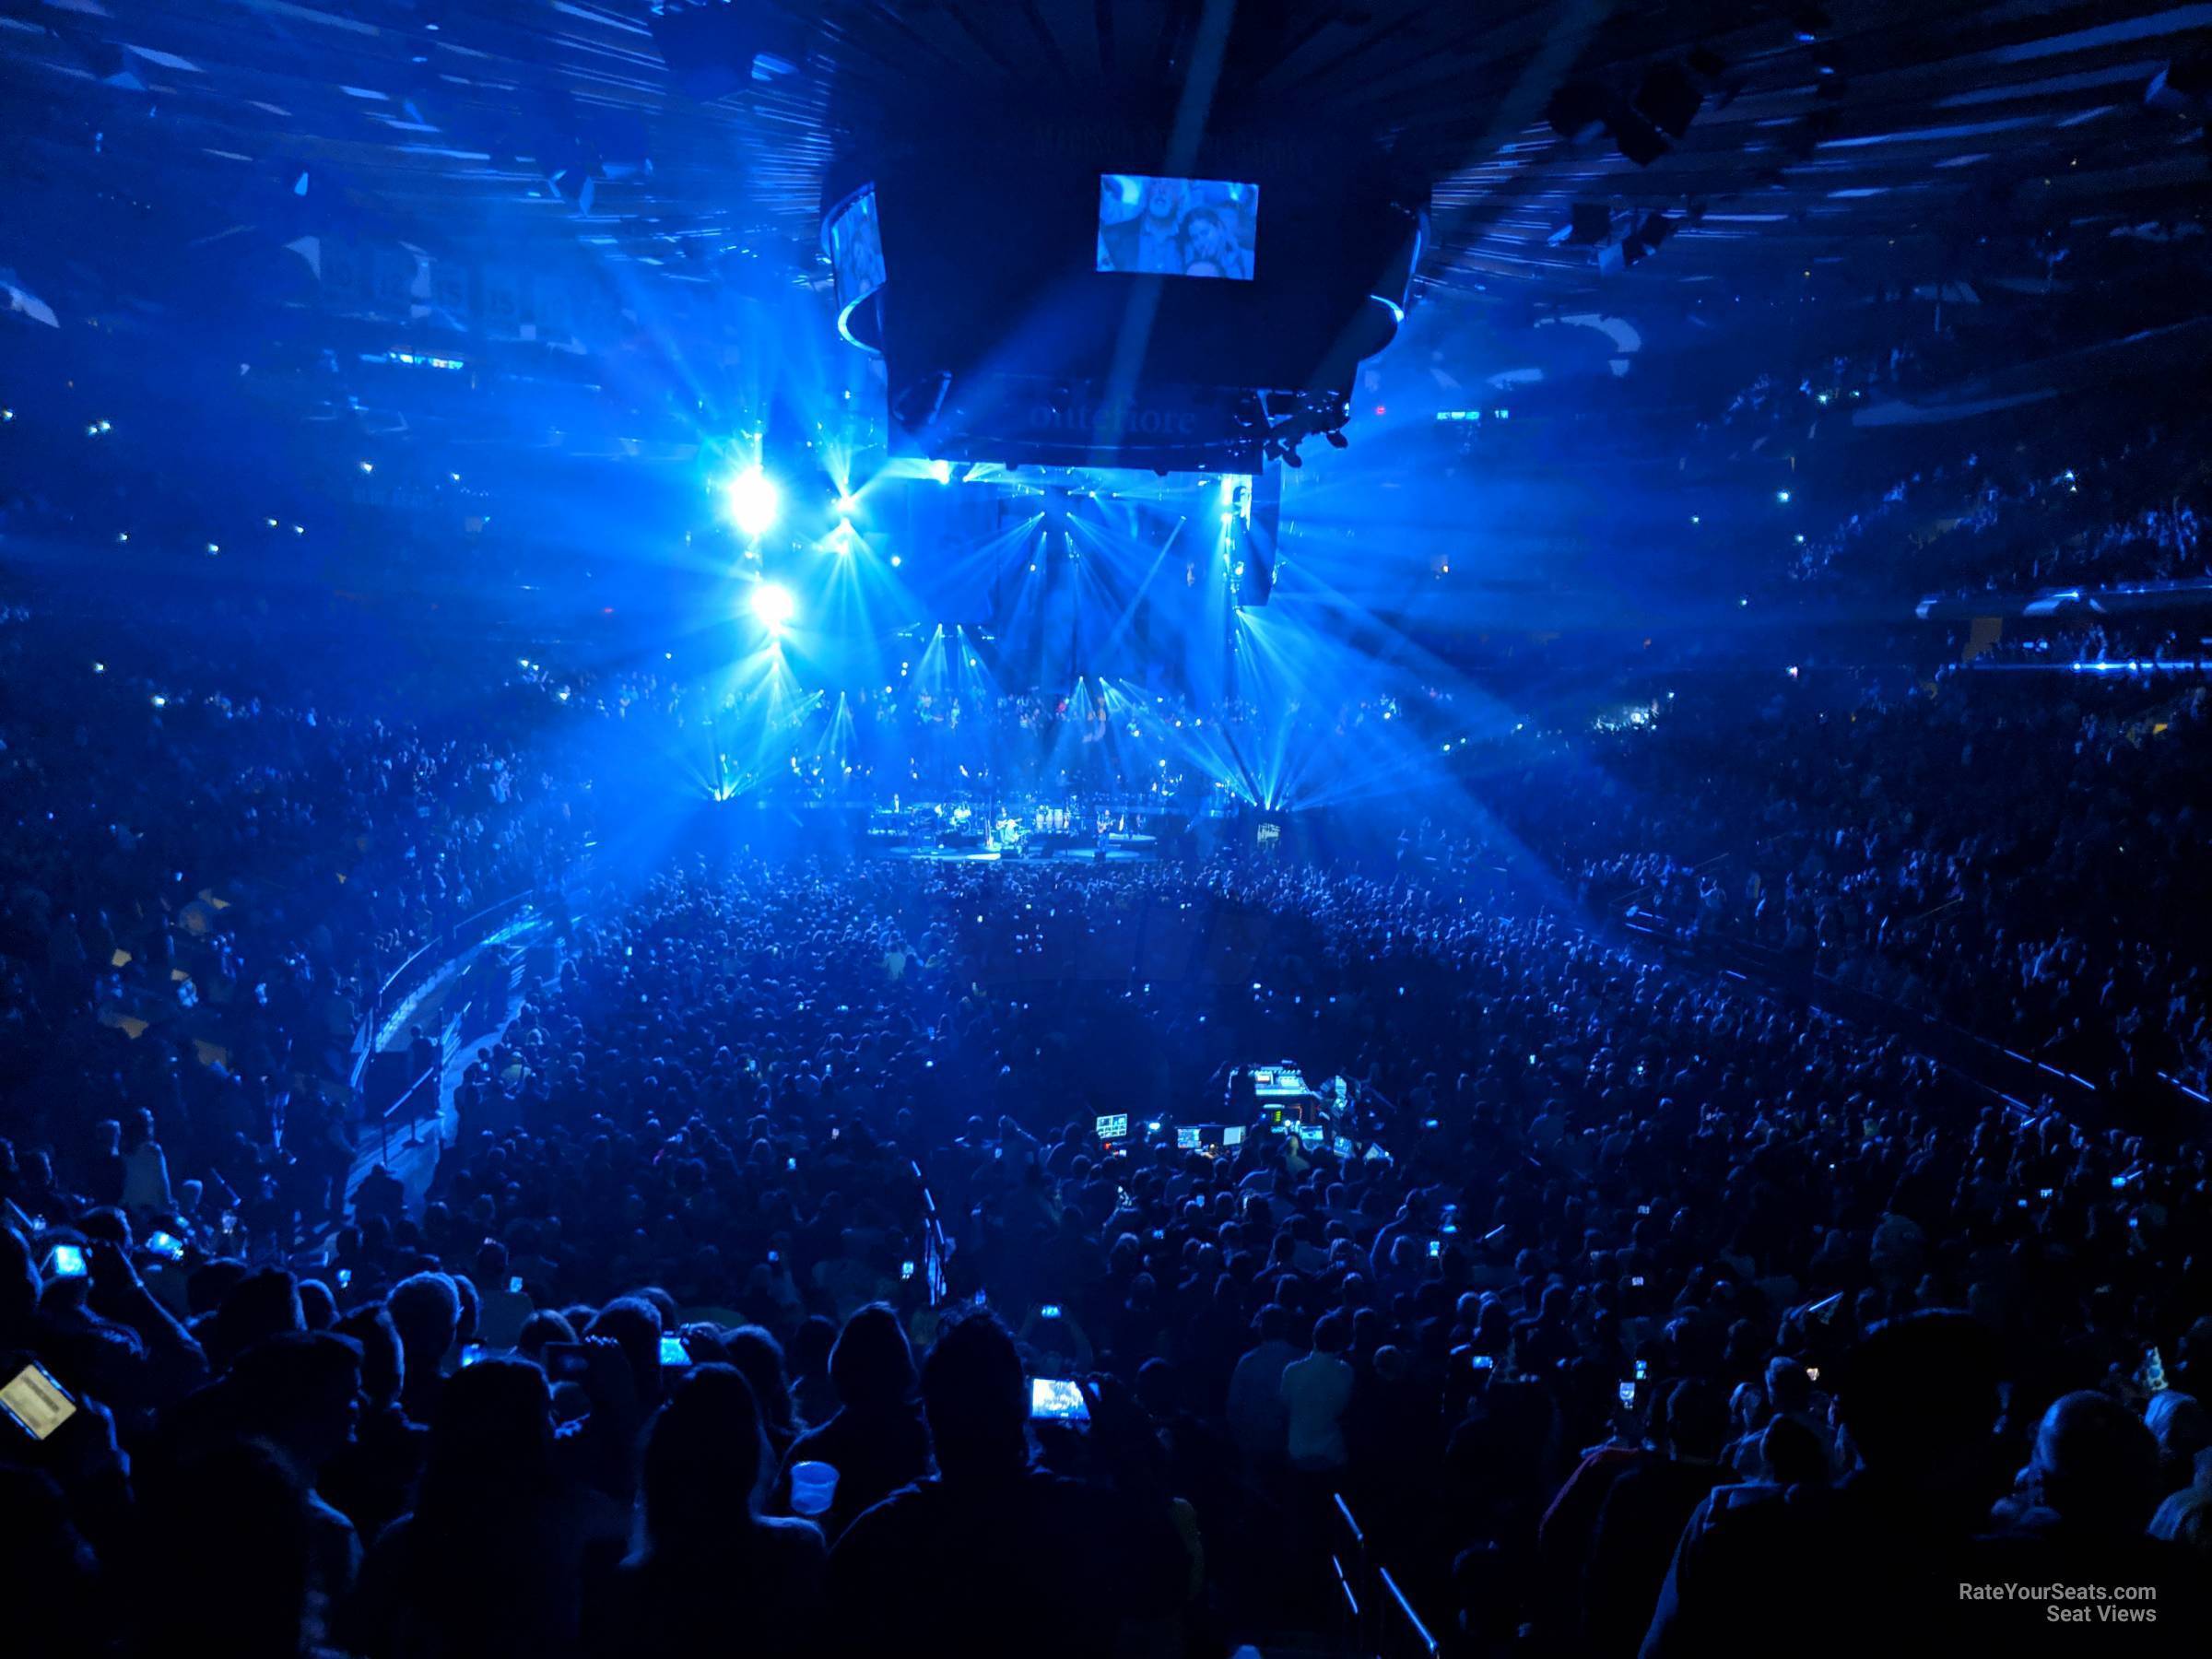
(35, 1403)
(1058, 1400)
(608, 1377)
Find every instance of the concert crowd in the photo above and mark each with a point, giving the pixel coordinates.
(1634, 1304)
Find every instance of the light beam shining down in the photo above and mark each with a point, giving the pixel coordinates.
(754, 499)
(772, 604)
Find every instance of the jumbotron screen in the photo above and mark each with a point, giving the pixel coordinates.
(854, 238)
(1178, 227)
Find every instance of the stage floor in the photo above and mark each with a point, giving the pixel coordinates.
(1080, 855)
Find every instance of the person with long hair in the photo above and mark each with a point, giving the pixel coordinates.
(491, 1557)
(878, 1441)
(1210, 246)
(1069, 1563)
(708, 1560)
(759, 1357)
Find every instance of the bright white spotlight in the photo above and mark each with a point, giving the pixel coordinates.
(941, 471)
(753, 501)
(772, 604)
(846, 506)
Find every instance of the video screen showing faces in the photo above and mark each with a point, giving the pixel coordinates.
(854, 240)
(1178, 227)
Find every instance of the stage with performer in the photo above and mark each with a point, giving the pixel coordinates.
(1028, 828)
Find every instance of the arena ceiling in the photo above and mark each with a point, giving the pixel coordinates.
(1850, 150)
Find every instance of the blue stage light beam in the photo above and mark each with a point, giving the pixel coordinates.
(772, 604)
(754, 503)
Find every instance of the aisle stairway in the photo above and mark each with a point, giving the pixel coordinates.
(410, 1144)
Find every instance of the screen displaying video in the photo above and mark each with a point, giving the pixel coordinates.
(853, 239)
(1056, 1399)
(1178, 227)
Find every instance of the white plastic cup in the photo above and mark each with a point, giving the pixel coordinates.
(813, 1488)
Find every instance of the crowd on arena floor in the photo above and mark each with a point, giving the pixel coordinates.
(1605, 1222)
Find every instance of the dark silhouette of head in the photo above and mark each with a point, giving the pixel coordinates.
(261, 1305)
(977, 1401)
(1697, 1420)
(1788, 1388)
(759, 1357)
(491, 1444)
(1792, 1454)
(872, 1365)
(634, 1324)
(705, 1460)
(426, 1311)
(1918, 1395)
(383, 1360)
(2096, 1465)
(301, 1392)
